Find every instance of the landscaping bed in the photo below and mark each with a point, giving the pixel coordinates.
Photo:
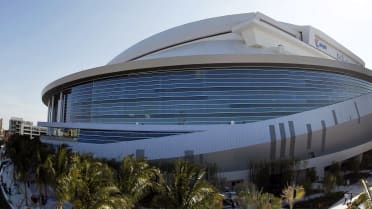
(321, 202)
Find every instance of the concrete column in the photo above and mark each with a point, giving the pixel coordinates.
(360, 157)
(62, 106)
(320, 171)
(59, 110)
(48, 119)
(52, 111)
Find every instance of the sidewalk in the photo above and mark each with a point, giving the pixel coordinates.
(16, 198)
(355, 189)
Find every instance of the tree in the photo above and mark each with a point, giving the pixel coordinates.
(329, 182)
(91, 185)
(136, 178)
(19, 150)
(335, 170)
(293, 193)
(272, 175)
(110, 197)
(57, 166)
(310, 177)
(41, 170)
(250, 197)
(63, 189)
(366, 196)
(185, 188)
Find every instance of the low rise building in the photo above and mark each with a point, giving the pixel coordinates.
(22, 127)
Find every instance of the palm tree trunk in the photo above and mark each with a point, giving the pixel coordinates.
(14, 174)
(40, 197)
(59, 205)
(40, 202)
(46, 191)
(25, 186)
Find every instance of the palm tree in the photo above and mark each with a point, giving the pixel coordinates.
(57, 166)
(366, 196)
(110, 197)
(250, 197)
(186, 189)
(63, 189)
(92, 186)
(136, 178)
(293, 193)
(41, 172)
(18, 150)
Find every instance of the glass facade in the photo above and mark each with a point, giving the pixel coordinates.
(108, 136)
(208, 96)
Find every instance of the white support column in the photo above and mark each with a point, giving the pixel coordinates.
(48, 119)
(62, 107)
(320, 171)
(59, 110)
(52, 110)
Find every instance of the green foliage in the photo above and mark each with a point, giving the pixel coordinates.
(185, 188)
(91, 185)
(362, 200)
(365, 197)
(309, 178)
(335, 170)
(329, 182)
(250, 197)
(58, 165)
(136, 178)
(27, 155)
(272, 175)
(112, 163)
(292, 193)
(41, 170)
(18, 150)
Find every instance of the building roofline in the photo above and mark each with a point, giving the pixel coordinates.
(216, 26)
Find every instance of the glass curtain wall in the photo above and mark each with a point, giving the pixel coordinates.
(209, 96)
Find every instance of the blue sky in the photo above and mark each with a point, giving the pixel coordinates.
(43, 40)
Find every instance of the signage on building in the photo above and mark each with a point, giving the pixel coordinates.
(332, 51)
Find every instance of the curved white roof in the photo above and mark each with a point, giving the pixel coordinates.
(181, 34)
(250, 33)
(246, 39)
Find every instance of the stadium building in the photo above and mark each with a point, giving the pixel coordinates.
(227, 90)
